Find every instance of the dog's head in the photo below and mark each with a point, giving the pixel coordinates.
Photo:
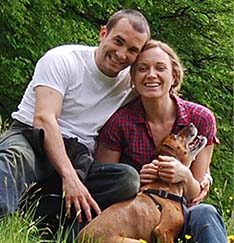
(184, 146)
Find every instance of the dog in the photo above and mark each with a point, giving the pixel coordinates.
(156, 213)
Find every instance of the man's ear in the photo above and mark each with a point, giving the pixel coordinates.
(102, 33)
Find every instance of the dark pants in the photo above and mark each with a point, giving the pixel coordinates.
(23, 162)
(107, 183)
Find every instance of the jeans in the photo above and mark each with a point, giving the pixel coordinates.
(107, 183)
(18, 168)
(205, 225)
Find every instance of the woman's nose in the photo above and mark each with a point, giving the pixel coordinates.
(152, 74)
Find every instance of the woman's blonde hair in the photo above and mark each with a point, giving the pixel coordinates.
(177, 69)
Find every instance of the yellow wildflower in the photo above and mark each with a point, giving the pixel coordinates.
(231, 239)
(187, 237)
(230, 198)
(228, 211)
(143, 241)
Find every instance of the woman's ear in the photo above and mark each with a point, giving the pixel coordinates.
(175, 80)
(132, 82)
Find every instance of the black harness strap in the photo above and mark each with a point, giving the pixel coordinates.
(158, 205)
(165, 194)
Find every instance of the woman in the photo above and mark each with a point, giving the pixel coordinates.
(132, 134)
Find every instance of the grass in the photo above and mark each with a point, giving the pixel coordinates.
(17, 229)
(20, 228)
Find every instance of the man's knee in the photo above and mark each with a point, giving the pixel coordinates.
(131, 180)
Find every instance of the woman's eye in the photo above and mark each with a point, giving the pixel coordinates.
(141, 68)
(161, 68)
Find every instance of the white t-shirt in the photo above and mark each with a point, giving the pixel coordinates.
(90, 97)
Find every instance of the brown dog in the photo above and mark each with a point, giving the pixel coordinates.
(156, 212)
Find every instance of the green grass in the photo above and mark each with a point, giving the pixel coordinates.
(19, 228)
(22, 229)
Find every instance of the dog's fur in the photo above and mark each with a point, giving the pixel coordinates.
(139, 218)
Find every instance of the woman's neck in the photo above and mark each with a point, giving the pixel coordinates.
(160, 111)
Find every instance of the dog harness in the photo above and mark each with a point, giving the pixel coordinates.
(165, 194)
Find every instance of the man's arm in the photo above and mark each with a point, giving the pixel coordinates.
(48, 108)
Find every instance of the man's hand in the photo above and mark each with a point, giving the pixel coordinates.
(77, 194)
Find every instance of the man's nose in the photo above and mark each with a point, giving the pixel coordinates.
(122, 53)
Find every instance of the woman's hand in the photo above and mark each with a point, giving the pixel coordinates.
(205, 186)
(149, 172)
(171, 170)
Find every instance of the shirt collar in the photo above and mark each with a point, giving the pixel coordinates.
(183, 117)
(138, 110)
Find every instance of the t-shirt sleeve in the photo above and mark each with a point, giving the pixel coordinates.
(52, 70)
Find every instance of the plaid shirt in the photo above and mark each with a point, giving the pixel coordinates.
(128, 131)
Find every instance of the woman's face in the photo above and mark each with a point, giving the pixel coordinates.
(153, 74)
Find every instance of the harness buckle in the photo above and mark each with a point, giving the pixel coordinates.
(163, 193)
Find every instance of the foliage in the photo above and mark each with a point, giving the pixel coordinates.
(18, 229)
(200, 31)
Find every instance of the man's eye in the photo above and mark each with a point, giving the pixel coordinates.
(134, 51)
(118, 42)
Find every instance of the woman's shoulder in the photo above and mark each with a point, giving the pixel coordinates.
(131, 108)
(194, 108)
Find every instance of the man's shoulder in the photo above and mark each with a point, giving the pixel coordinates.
(67, 55)
(71, 48)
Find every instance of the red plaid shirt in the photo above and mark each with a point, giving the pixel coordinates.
(127, 130)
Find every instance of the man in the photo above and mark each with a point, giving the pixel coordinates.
(74, 90)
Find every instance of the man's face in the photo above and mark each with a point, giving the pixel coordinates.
(119, 48)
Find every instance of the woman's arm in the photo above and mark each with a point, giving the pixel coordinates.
(200, 168)
(105, 155)
(173, 171)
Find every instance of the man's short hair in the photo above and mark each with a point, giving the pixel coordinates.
(136, 19)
